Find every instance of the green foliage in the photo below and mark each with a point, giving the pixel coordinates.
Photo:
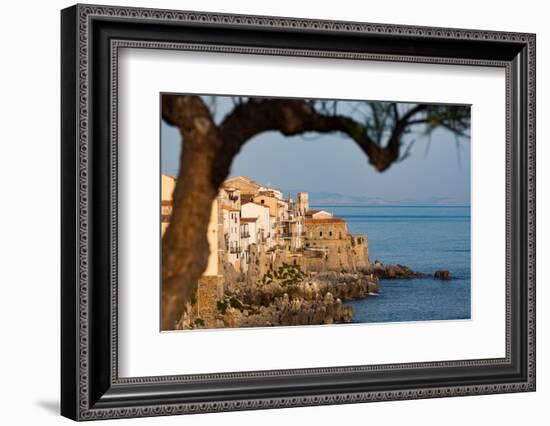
(286, 274)
(236, 303)
(222, 306)
(289, 274)
(267, 278)
(455, 118)
(233, 302)
(381, 119)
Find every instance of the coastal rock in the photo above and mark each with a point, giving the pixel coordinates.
(442, 274)
(376, 268)
(391, 271)
(283, 312)
(287, 296)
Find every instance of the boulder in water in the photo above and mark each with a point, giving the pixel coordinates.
(442, 274)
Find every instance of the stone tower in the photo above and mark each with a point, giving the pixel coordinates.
(303, 202)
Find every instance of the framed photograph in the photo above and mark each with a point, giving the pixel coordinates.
(263, 212)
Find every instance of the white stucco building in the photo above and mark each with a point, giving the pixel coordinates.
(232, 237)
(264, 228)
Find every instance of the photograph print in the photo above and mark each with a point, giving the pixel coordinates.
(280, 212)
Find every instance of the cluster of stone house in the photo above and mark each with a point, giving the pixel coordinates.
(256, 217)
(253, 226)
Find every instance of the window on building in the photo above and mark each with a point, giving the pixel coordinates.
(320, 233)
(330, 233)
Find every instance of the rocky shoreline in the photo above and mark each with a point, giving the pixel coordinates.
(288, 296)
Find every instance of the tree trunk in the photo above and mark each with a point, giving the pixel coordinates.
(185, 246)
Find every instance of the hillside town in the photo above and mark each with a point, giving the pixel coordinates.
(254, 231)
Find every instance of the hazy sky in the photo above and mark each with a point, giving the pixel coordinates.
(333, 163)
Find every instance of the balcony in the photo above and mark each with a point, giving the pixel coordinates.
(245, 234)
(294, 234)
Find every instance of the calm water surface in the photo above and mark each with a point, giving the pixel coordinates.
(425, 239)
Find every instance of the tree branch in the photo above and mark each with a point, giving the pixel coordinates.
(293, 117)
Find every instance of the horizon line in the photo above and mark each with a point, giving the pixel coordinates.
(389, 205)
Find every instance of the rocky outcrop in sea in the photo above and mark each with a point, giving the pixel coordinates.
(442, 274)
(401, 272)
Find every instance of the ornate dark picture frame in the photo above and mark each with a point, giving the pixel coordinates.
(91, 36)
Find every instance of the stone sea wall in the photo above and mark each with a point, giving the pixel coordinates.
(349, 254)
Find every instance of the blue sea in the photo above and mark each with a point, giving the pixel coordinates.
(425, 238)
